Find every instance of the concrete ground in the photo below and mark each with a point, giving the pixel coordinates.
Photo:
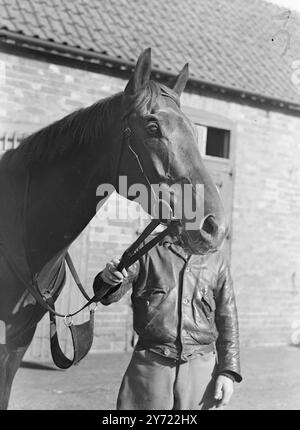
(271, 381)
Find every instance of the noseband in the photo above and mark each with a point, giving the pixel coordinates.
(82, 335)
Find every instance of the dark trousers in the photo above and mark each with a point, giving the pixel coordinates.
(153, 382)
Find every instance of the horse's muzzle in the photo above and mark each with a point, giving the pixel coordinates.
(209, 228)
(207, 239)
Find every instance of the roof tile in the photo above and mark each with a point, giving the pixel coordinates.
(237, 44)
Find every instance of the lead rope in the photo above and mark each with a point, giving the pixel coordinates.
(82, 335)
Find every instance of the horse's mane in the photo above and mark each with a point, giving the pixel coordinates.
(81, 128)
(86, 126)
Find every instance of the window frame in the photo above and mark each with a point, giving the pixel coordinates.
(226, 165)
(208, 119)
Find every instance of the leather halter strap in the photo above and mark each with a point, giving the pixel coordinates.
(127, 133)
(127, 259)
(131, 255)
(82, 335)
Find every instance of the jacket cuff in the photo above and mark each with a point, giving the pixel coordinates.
(235, 377)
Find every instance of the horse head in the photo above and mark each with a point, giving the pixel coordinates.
(160, 150)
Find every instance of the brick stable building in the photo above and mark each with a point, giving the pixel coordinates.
(57, 56)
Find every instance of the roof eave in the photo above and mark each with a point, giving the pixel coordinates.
(110, 63)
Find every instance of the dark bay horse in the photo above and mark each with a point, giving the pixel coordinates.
(48, 192)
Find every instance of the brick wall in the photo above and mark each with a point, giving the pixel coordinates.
(34, 94)
(265, 251)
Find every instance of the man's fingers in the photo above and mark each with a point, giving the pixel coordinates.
(124, 273)
(218, 390)
(109, 280)
(116, 275)
(115, 263)
(111, 275)
(112, 272)
(223, 391)
(115, 267)
(227, 393)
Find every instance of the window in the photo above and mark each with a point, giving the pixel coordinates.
(10, 140)
(213, 142)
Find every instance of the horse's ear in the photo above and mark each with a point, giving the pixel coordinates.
(141, 74)
(181, 80)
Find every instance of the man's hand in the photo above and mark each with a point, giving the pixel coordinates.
(111, 275)
(223, 391)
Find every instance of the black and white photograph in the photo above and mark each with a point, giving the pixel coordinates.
(149, 208)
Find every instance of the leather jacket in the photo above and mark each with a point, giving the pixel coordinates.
(183, 305)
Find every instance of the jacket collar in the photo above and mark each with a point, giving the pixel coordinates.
(173, 244)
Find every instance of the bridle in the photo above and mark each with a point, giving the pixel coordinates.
(125, 261)
(130, 256)
(82, 335)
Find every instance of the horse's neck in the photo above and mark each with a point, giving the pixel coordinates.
(62, 200)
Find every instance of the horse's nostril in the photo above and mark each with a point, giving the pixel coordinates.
(209, 225)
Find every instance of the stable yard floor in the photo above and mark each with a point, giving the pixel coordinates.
(271, 381)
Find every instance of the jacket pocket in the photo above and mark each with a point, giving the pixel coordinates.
(207, 282)
(151, 299)
(208, 304)
(203, 309)
(146, 306)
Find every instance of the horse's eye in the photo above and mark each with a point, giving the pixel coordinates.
(152, 129)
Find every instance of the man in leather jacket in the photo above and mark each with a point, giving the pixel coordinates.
(184, 312)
